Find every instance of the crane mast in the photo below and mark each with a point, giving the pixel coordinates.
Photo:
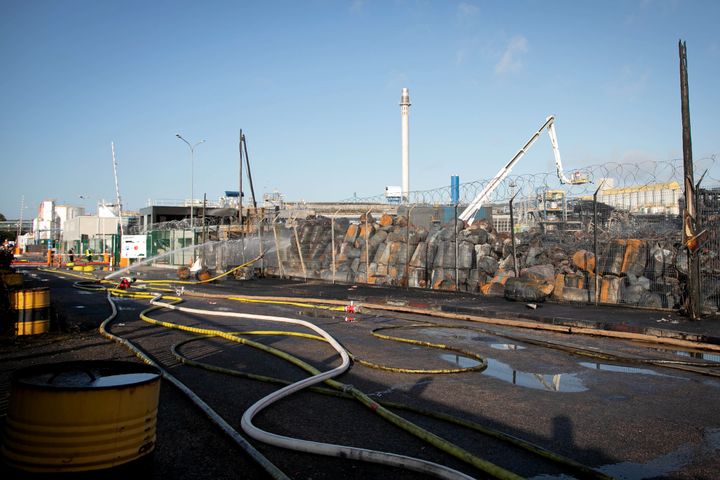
(117, 187)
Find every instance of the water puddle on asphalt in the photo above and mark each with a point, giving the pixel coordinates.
(704, 356)
(642, 371)
(622, 369)
(456, 333)
(316, 313)
(559, 382)
(460, 360)
(506, 346)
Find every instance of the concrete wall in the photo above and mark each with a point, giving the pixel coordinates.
(90, 225)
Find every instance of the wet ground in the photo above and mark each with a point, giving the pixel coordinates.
(629, 410)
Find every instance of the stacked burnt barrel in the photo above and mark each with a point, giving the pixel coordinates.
(454, 256)
(630, 271)
(388, 251)
(304, 247)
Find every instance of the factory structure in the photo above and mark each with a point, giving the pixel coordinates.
(67, 226)
(651, 198)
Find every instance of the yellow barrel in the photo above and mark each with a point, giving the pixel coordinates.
(77, 268)
(80, 416)
(88, 268)
(32, 310)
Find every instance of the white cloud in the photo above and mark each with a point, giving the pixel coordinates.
(511, 60)
(468, 9)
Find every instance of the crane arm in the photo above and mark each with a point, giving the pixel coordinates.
(468, 215)
(556, 151)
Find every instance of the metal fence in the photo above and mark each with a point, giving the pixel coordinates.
(709, 215)
(619, 174)
(556, 242)
(417, 250)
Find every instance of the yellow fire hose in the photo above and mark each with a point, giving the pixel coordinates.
(258, 457)
(586, 471)
(431, 438)
(355, 453)
(310, 303)
(345, 452)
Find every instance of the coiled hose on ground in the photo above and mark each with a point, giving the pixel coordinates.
(341, 451)
(385, 458)
(319, 377)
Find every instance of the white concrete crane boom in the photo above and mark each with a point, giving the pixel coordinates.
(468, 215)
(117, 188)
(556, 151)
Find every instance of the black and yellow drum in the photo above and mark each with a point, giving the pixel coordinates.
(31, 309)
(81, 416)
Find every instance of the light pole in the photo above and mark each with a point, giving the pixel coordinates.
(22, 207)
(192, 183)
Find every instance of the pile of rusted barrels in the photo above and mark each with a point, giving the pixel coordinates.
(476, 258)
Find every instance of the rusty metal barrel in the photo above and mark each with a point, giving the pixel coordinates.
(203, 275)
(183, 273)
(83, 416)
(31, 309)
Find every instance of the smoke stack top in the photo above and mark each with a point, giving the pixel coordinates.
(405, 97)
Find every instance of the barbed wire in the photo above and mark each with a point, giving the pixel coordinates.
(614, 174)
(183, 224)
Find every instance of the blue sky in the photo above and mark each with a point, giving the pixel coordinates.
(315, 86)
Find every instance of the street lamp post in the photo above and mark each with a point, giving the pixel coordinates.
(22, 207)
(192, 184)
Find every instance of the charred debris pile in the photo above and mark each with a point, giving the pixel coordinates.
(478, 259)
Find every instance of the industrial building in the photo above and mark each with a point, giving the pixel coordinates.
(651, 198)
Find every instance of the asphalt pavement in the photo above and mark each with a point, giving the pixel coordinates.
(626, 420)
(660, 323)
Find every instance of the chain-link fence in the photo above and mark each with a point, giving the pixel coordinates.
(709, 215)
(416, 249)
(616, 241)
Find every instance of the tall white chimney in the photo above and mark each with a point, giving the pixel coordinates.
(405, 121)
